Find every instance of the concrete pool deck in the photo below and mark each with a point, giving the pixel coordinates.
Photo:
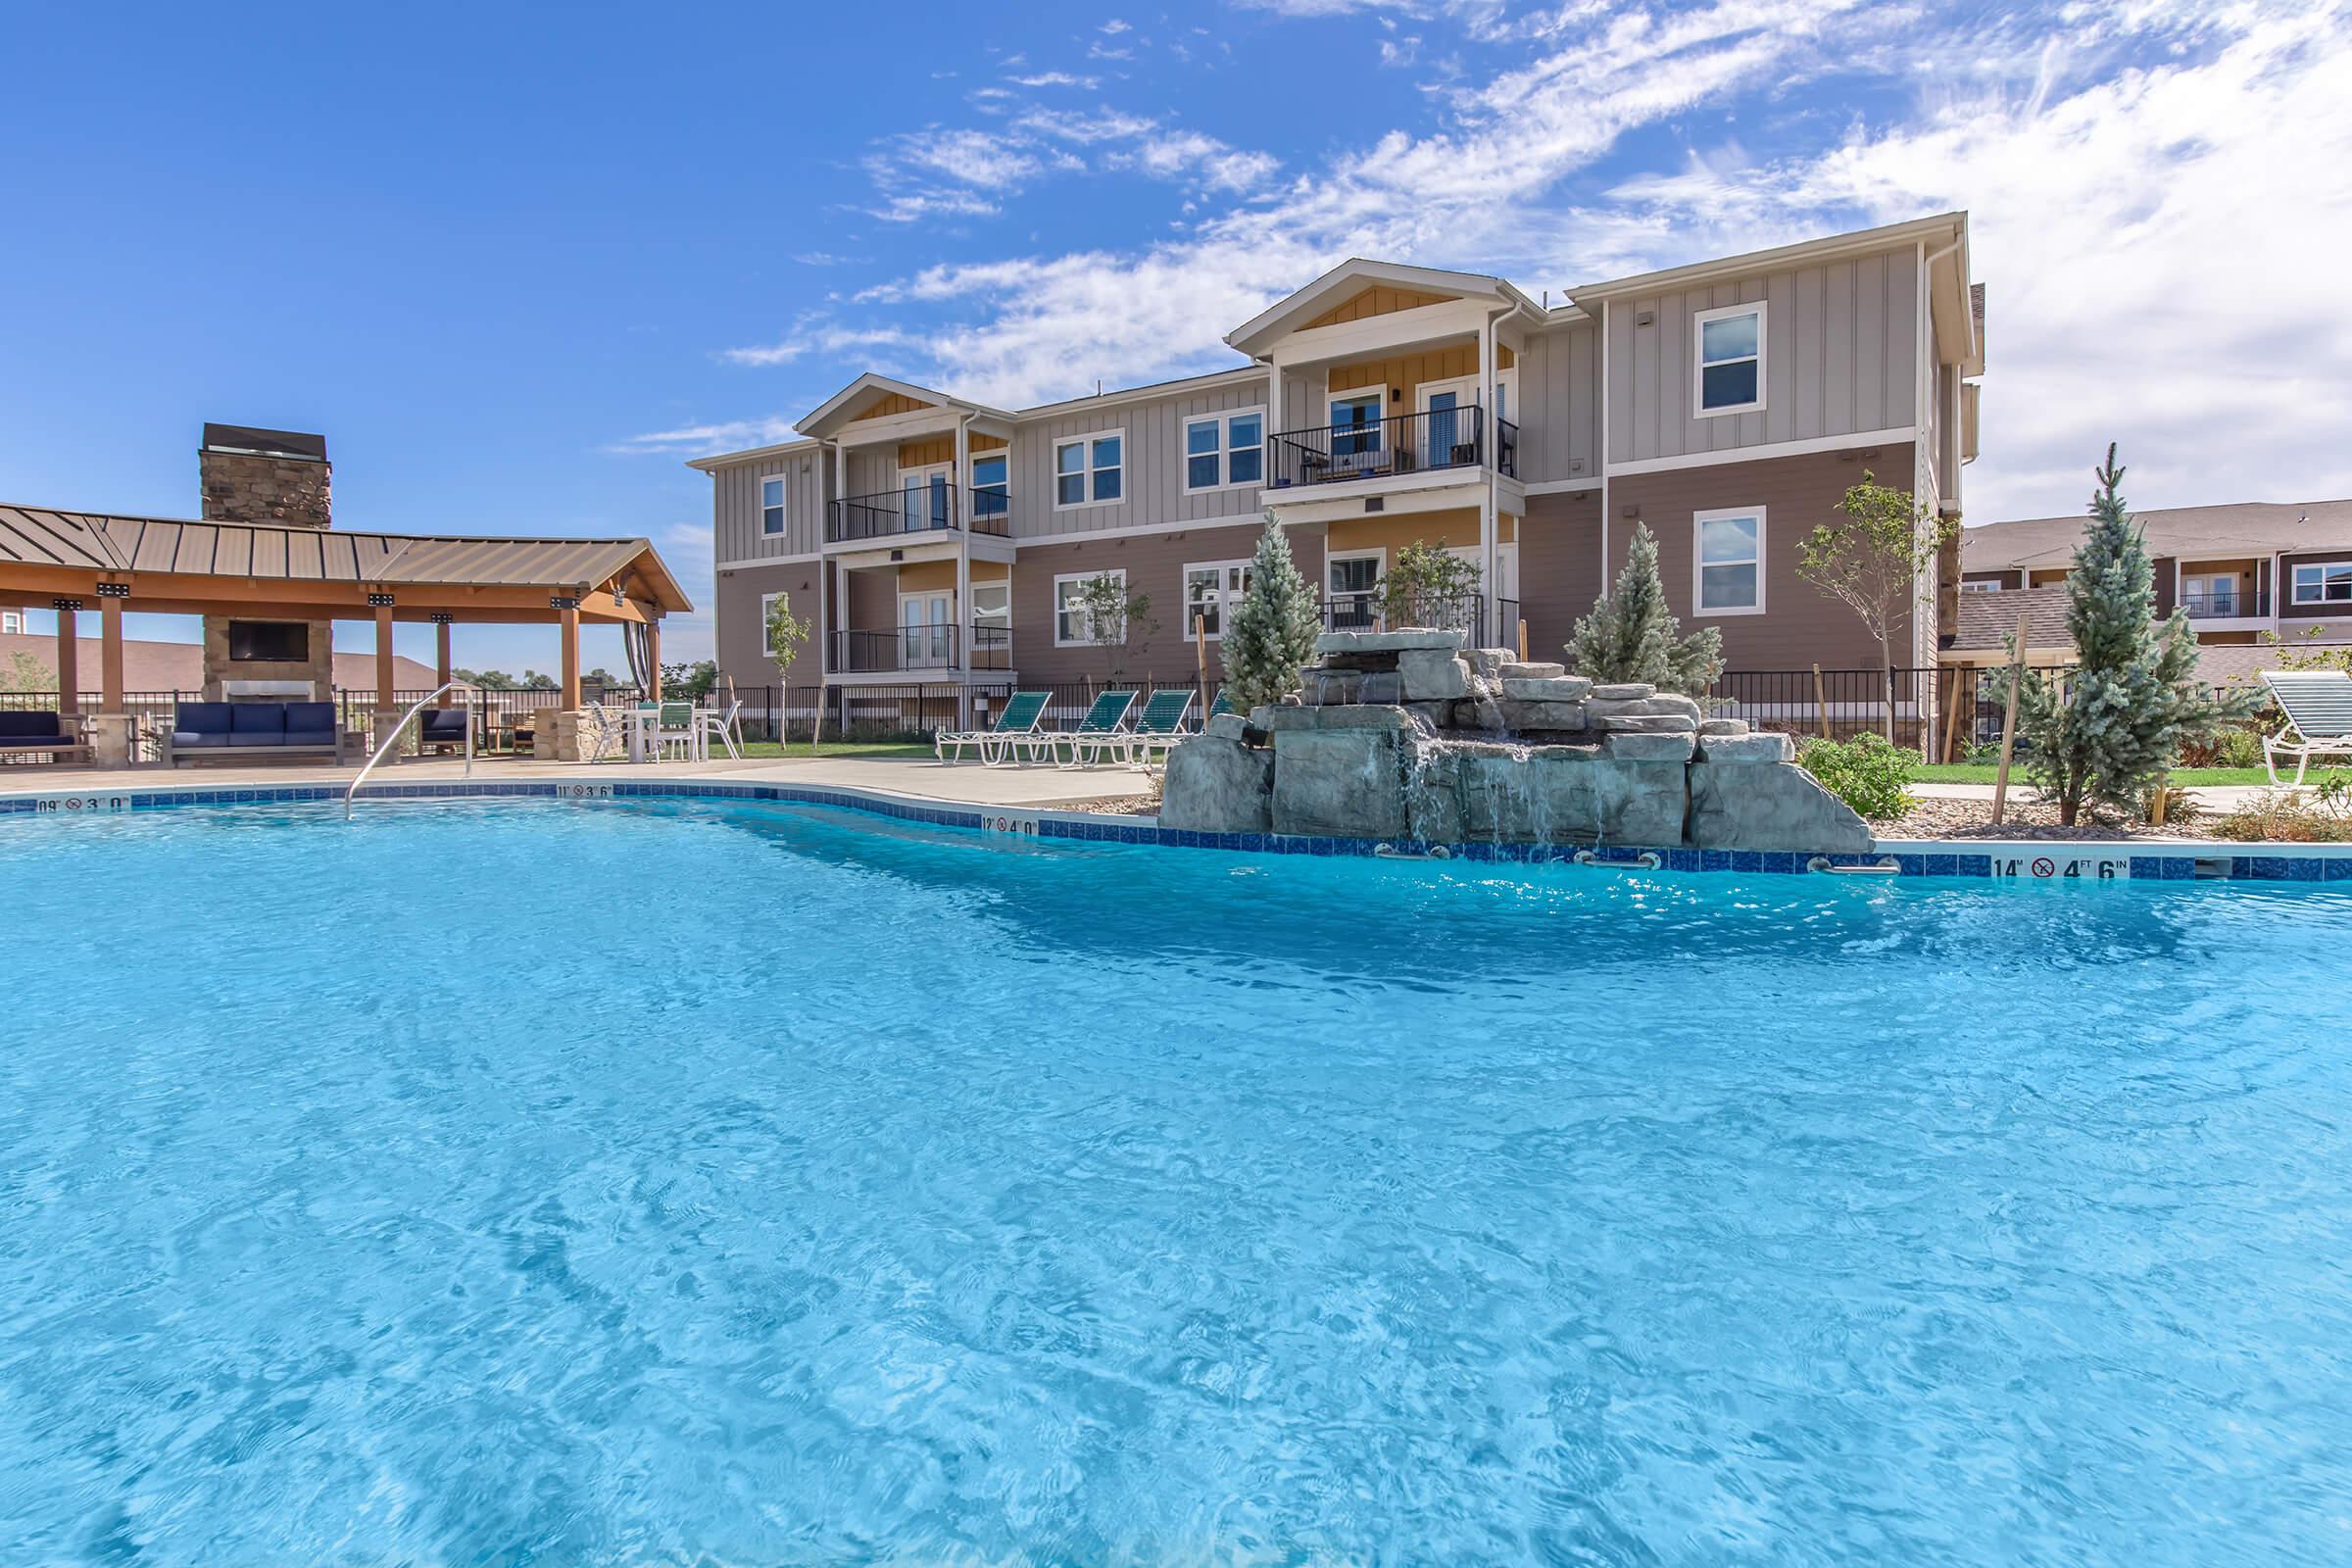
(963, 783)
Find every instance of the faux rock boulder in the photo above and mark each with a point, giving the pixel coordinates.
(1215, 784)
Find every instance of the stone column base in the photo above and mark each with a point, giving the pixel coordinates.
(385, 719)
(556, 735)
(111, 739)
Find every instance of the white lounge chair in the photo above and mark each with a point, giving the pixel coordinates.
(1101, 733)
(2317, 705)
(1015, 726)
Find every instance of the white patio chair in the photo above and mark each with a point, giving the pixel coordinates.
(675, 729)
(2317, 705)
(600, 732)
(709, 727)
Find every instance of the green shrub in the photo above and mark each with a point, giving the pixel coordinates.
(2321, 814)
(1866, 773)
(2231, 746)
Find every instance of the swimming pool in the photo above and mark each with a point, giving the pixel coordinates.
(659, 1182)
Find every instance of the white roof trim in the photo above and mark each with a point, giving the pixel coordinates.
(1944, 226)
(1357, 272)
(721, 459)
(871, 382)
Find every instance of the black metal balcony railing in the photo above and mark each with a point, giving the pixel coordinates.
(2210, 603)
(1400, 444)
(918, 648)
(1370, 610)
(891, 514)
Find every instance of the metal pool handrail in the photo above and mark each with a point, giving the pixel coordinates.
(392, 738)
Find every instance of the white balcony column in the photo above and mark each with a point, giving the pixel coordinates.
(960, 614)
(1489, 441)
(840, 606)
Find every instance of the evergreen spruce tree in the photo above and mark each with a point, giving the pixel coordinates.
(1272, 631)
(2107, 735)
(1631, 636)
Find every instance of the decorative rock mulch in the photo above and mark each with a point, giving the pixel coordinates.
(2025, 819)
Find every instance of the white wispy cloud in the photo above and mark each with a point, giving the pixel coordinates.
(2156, 192)
(721, 435)
(816, 338)
(1059, 78)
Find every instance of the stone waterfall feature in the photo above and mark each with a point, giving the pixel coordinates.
(1408, 736)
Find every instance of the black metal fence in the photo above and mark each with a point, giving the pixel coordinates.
(1950, 708)
(889, 514)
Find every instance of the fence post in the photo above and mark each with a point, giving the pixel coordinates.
(1890, 703)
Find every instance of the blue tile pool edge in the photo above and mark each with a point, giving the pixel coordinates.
(2019, 861)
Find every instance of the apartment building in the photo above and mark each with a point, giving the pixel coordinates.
(1727, 404)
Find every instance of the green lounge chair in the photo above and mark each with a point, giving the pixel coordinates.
(1161, 724)
(1223, 705)
(1018, 720)
(1102, 732)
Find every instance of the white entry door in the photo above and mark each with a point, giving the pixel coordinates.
(926, 631)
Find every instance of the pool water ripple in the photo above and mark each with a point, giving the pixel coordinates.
(701, 1184)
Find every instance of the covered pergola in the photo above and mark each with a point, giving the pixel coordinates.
(70, 560)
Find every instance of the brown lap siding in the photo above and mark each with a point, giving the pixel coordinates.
(1802, 626)
(742, 638)
(1154, 565)
(1559, 567)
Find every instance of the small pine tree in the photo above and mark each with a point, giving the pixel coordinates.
(1631, 636)
(2107, 734)
(1272, 630)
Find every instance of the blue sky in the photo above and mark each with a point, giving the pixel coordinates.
(517, 264)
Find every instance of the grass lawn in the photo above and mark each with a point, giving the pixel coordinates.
(840, 749)
(2185, 777)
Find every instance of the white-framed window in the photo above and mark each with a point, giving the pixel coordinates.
(992, 604)
(1211, 590)
(1978, 585)
(11, 620)
(1090, 470)
(992, 485)
(1726, 562)
(1073, 627)
(1224, 451)
(1357, 421)
(1351, 588)
(772, 503)
(2327, 582)
(1729, 345)
(768, 642)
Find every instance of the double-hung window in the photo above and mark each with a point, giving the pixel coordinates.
(1073, 622)
(992, 488)
(2328, 583)
(1089, 469)
(771, 505)
(1728, 561)
(1224, 449)
(1728, 377)
(1210, 592)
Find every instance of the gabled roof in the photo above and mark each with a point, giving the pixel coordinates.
(837, 410)
(1358, 273)
(2198, 533)
(42, 536)
(1986, 621)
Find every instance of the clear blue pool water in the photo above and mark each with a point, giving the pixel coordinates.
(668, 1183)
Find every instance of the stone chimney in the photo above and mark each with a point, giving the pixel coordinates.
(271, 478)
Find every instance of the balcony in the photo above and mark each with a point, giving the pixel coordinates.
(1367, 610)
(2227, 604)
(1398, 445)
(901, 649)
(919, 509)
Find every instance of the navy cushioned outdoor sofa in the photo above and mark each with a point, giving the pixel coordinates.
(39, 730)
(241, 731)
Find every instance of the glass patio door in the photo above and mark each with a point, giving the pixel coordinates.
(926, 631)
(923, 498)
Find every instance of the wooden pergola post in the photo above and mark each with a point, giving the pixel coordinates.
(568, 611)
(69, 656)
(441, 665)
(653, 657)
(111, 728)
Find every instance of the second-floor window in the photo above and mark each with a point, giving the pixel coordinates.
(2329, 583)
(771, 506)
(991, 486)
(1089, 469)
(1729, 563)
(1730, 343)
(1225, 449)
